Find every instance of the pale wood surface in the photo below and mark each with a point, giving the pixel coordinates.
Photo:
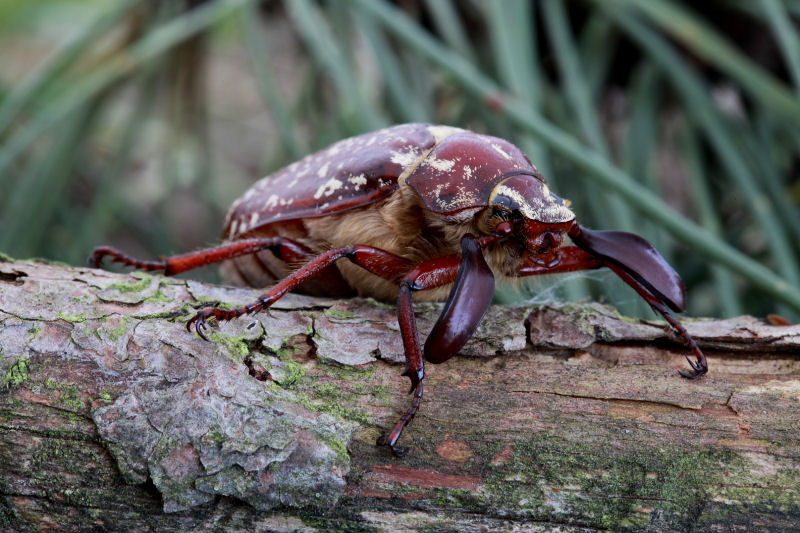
(114, 417)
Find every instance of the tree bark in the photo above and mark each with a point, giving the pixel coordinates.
(114, 417)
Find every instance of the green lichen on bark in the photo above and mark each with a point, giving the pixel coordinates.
(144, 283)
(592, 485)
(81, 317)
(66, 395)
(18, 374)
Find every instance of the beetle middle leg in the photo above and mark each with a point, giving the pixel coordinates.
(381, 263)
(456, 324)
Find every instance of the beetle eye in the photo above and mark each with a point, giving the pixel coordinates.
(501, 213)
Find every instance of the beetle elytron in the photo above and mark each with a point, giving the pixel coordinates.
(415, 208)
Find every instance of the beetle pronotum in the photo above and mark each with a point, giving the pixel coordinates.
(416, 209)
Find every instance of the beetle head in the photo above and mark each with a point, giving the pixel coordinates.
(540, 218)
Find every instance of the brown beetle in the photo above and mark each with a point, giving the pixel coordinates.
(415, 207)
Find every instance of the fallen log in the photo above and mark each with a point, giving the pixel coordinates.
(114, 416)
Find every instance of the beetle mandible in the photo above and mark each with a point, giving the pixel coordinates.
(416, 209)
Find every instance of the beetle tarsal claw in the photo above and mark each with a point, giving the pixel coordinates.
(694, 374)
(199, 321)
(698, 369)
(414, 376)
(399, 451)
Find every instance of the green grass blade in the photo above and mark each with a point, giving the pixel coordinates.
(256, 46)
(763, 147)
(98, 220)
(513, 42)
(355, 107)
(43, 187)
(598, 48)
(696, 98)
(157, 42)
(26, 92)
(573, 82)
(448, 23)
(725, 288)
(786, 35)
(407, 105)
(708, 44)
(639, 150)
(579, 97)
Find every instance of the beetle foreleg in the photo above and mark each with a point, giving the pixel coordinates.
(414, 368)
(284, 249)
(572, 258)
(700, 366)
(468, 301)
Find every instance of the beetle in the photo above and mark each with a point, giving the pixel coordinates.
(415, 209)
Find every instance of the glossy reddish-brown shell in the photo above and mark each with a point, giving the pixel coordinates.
(461, 171)
(452, 170)
(348, 174)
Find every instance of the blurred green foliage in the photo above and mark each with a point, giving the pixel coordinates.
(136, 122)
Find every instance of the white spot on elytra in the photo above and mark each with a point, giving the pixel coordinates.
(442, 165)
(253, 220)
(499, 150)
(272, 201)
(328, 188)
(406, 158)
(358, 181)
(323, 171)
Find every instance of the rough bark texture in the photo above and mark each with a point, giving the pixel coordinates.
(113, 416)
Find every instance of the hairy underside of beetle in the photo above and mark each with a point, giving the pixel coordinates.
(399, 224)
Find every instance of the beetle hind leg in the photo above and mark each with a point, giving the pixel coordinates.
(98, 254)
(285, 249)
